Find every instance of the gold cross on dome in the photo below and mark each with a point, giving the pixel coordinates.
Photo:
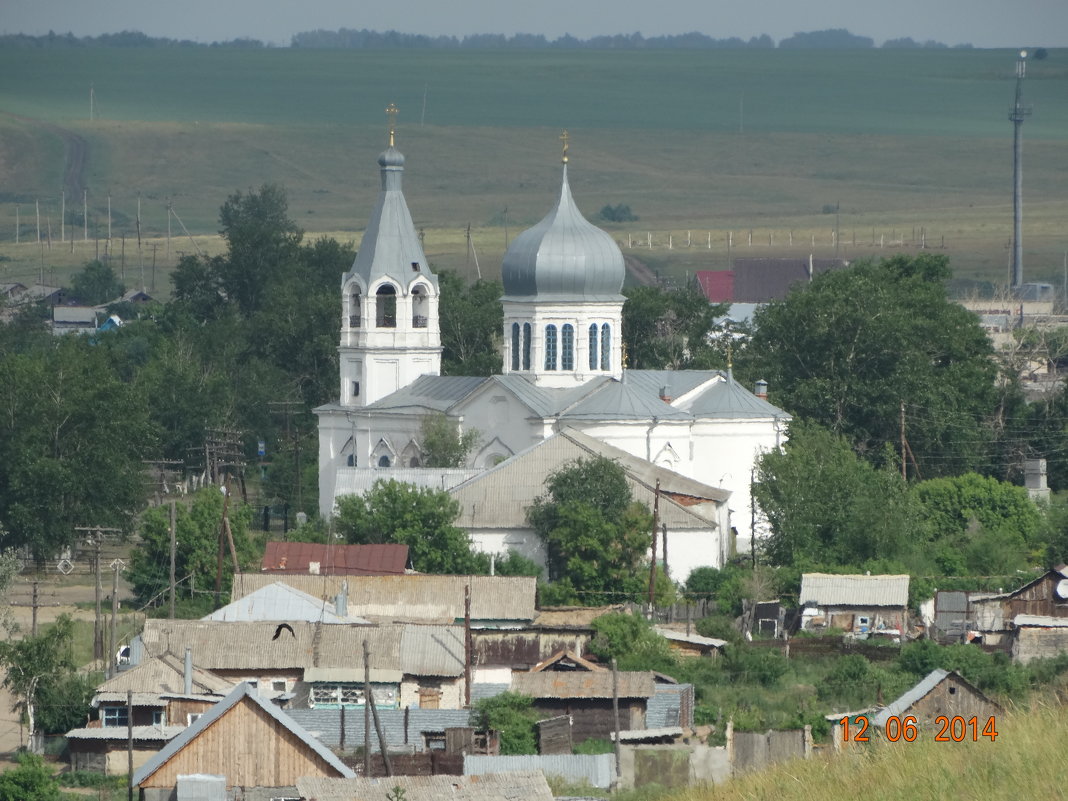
(391, 115)
(563, 138)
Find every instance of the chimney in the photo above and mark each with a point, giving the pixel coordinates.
(664, 396)
(341, 601)
(761, 390)
(188, 673)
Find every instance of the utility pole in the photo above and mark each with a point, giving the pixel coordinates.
(94, 539)
(467, 646)
(615, 716)
(116, 566)
(174, 514)
(904, 470)
(1017, 116)
(33, 627)
(652, 563)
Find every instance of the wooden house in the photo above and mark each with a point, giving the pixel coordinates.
(250, 742)
(1045, 596)
(163, 695)
(939, 693)
(864, 606)
(1039, 637)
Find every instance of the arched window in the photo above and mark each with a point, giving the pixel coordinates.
(567, 347)
(593, 346)
(515, 346)
(526, 346)
(606, 347)
(383, 461)
(386, 307)
(550, 347)
(354, 308)
(420, 305)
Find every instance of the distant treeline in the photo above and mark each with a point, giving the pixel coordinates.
(349, 38)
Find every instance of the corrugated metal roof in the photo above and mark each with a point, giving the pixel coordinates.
(582, 684)
(372, 560)
(165, 674)
(138, 699)
(435, 392)
(1040, 621)
(240, 693)
(900, 706)
(618, 400)
(512, 786)
(280, 601)
(693, 639)
(417, 597)
(573, 617)
(120, 733)
(825, 589)
(426, 650)
(717, 285)
(325, 725)
(665, 707)
(500, 497)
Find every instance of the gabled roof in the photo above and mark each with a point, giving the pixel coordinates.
(370, 560)
(583, 684)
(418, 597)
(905, 701)
(565, 660)
(618, 400)
(499, 497)
(727, 399)
(165, 675)
(412, 649)
(824, 589)
(437, 393)
(279, 601)
(510, 786)
(677, 382)
(240, 694)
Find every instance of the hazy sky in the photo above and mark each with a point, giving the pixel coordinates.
(983, 23)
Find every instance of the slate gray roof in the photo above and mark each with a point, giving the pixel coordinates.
(665, 706)
(692, 639)
(499, 497)
(583, 684)
(824, 589)
(729, 399)
(546, 401)
(418, 597)
(239, 693)
(325, 725)
(164, 675)
(149, 733)
(280, 601)
(900, 705)
(512, 786)
(677, 382)
(418, 650)
(564, 258)
(390, 244)
(617, 400)
(437, 393)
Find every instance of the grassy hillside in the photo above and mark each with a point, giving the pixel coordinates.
(699, 144)
(1025, 761)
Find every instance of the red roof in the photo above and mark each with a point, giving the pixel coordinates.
(335, 560)
(718, 285)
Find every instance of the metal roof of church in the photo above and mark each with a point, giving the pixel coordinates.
(729, 399)
(564, 257)
(435, 392)
(390, 244)
(618, 400)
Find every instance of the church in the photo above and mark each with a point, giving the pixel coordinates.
(562, 369)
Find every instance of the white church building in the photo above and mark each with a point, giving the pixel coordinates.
(562, 368)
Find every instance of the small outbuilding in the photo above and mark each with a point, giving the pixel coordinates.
(1039, 637)
(940, 692)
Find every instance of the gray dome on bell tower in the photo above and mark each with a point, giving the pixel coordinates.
(563, 258)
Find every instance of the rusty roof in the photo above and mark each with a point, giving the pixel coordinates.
(582, 684)
(335, 560)
(415, 597)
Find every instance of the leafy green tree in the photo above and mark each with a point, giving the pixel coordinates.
(619, 213)
(827, 506)
(849, 348)
(631, 641)
(471, 320)
(421, 518)
(513, 715)
(597, 538)
(197, 546)
(762, 666)
(72, 440)
(671, 330)
(37, 669)
(444, 445)
(30, 780)
(96, 283)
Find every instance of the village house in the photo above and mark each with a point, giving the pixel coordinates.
(1045, 596)
(1038, 637)
(312, 558)
(940, 692)
(279, 601)
(862, 606)
(244, 741)
(166, 694)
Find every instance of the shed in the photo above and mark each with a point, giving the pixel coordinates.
(859, 604)
(1043, 596)
(1039, 637)
(247, 739)
(940, 692)
(683, 644)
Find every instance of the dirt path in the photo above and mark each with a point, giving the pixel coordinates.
(75, 154)
(639, 271)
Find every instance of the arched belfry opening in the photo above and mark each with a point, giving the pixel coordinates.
(386, 306)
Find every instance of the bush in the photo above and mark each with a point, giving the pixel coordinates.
(31, 780)
(513, 716)
(632, 642)
(763, 666)
(719, 627)
(618, 213)
(594, 746)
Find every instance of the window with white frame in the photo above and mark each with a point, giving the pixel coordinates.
(115, 716)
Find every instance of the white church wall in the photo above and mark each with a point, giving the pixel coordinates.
(689, 549)
(500, 541)
(498, 415)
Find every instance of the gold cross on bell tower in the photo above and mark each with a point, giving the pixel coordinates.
(391, 115)
(563, 138)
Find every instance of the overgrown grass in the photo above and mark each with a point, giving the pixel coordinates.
(1025, 761)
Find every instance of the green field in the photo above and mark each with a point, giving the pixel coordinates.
(702, 145)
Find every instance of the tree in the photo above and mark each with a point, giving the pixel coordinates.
(619, 213)
(597, 538)
(671, 330)
(471, 320)
(419, 517)
(849, 348)
(197, 546)
(30, 780)
(36, 666)
(96, 283)
(443, 444)
(72, 440)
(631, 641)
(513, 715)
(827, 506)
